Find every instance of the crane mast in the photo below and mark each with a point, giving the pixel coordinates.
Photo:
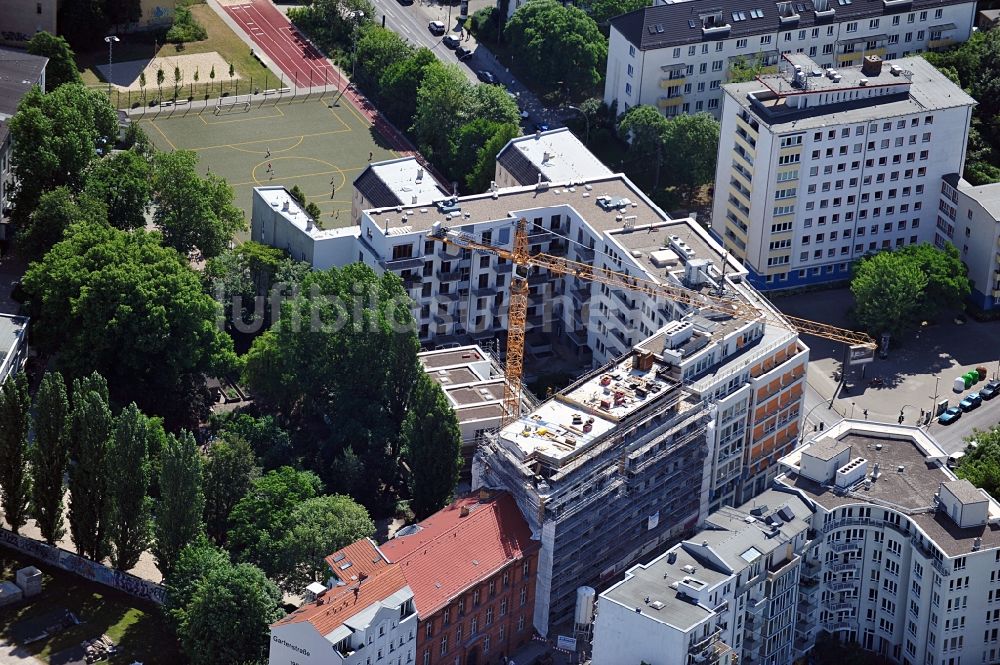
(518, 306)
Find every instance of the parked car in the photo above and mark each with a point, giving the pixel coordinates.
(486, 77)
(971, 401)
(950, 416)
(436, 27)
(463, 53)
(990, 390)
(452, 42)
(542, 127)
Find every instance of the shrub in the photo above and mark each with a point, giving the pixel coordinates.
(185, 28)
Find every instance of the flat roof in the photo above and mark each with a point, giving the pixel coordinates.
(11, 330)
(473, 385)
(18, 72)
(277, 197)
(988, 196)
(515, 202)
(557, 155)
(398, 181)
(929, 90)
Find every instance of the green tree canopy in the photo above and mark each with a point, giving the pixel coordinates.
(91, 425)
(316, 528)
(130, 505)
(645, 128)
(483, 171)
(55, 137)
(229, 617)
(62, 62)
(378, 49)
(182, 502)
(981, 464)
(121, 181)
(56, 211)
(602, 11)
(947, 283)
(229, 469)
(331, 23)
(50, 456)
(442, 106)
(15, 421)
(193, 212)
(121, 304)
(271, 444)
(887, 289)
(689, 149)
(399, 83)
(195, 562)
(432, 446)
(557, 45)
(262, 517)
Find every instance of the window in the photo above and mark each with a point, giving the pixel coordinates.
(429, 629)
(852, 26)
(628, 89)
(630, 70)
(740, 43)
(717, 65)
(524, 596)
(444, 645)
(873, 24)
(631, 50)
(677, 53)
(765, 39)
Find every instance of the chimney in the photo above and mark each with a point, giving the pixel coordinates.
(538, 134)
(420, 174)
(871, 66)
(464, 512)
(284, 206)
(545, 157)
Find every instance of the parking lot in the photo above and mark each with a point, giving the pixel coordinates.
(916, 369)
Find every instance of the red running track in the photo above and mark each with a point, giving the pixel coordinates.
(304, 66)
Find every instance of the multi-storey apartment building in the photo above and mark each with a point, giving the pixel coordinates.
(969, 217)
(472, 568)
(817, 168)
(19, 72)
(676, 56)
(904, 558)
(726, 595)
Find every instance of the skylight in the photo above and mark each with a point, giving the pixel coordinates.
(756, 13)
(751, 555)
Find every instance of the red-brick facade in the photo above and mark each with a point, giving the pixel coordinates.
(488, 621)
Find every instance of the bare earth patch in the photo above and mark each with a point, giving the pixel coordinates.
(188, 64)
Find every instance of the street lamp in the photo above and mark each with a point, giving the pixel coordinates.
(586, 119)
(110, 39)
(356, 16)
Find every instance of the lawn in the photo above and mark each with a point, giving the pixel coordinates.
(146, 45)
(136, 627)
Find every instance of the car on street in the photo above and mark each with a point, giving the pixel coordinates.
(950, 416)
(405, 2)
(971, 401)
(990, 390)
(436, 27)
(463, 53)
(486, 77)
(452, 42)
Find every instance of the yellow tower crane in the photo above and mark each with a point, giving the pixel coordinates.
(518, 305)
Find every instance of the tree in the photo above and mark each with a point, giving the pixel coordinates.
(468, 140)
(484, 170)
(887, 288)
(689, 149)
(261, 518)
(121, 304)
(491, 102)
(947, 283)
(90, 430)
(231, 601)
(646, 130)
(743, 69)
(271, 444)
(55, 137)
(50, 456)
(354, 318)
(193, 212)
(182, 502)
(485, 24)
(56, 211)
(602, 11)
(317, 527)
(229, 469)
(432, 447)
(398, 85)
(211, 76)
(541, 28)
(185, 28)
(194, 563)
(981, 464)
(160, 78)
(377, 50)
(331, 23)
(442, 106)
(62, 62)
(178, 79)
(15, 481)
(121, 181)
(131, 507)
(142, 83)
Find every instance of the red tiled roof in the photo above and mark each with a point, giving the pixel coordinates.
(451, 553)
(340, 603)
(364, 557)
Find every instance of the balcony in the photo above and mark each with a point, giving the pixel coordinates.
(844, 585)
(667, 83)
(670, 102)
(584, 254)
(756, 605)
(835, 606)
(779, 569)
(450, 276)
(845, 547)
(844, 568)
(407, 263)
(944, 42)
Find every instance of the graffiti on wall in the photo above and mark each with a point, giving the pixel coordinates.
(85, 568)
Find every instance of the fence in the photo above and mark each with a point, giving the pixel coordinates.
(85, 568)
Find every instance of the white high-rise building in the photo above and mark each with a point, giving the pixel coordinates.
(969, 217)
(677, 56)
(817, 168)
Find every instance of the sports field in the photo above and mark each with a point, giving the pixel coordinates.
(314, 143)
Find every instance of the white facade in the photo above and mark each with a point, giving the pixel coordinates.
(726, 595)
(277, 220)
(13, 344)
(810, 179)
(905, 559)
(969, 217)
(680, 67)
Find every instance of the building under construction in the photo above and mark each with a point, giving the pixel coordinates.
(611, 467)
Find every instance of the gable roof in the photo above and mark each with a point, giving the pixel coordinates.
(452, 550)
(518, 165)
(678, 23)
(340, 603)
(18, 72)
(359, 559)
(375, 190)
